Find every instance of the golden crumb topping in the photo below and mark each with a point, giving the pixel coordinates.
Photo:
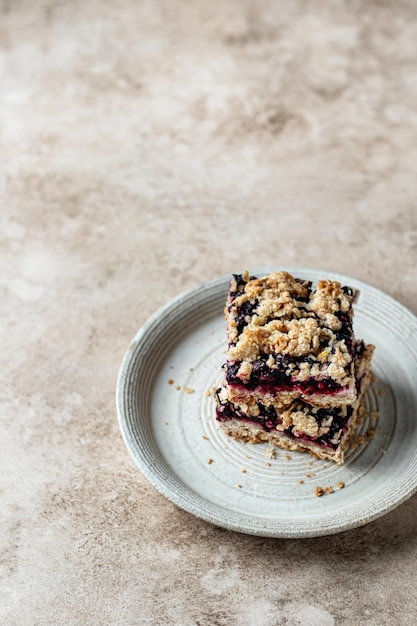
(281, 315)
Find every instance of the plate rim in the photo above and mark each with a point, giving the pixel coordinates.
(149, 471)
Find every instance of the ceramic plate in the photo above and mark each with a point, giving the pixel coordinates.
(170, 429)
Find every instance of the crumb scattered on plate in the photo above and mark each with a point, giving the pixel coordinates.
(170, 381)
(270, 453)
(340, 485)
(318, 491)
(188, 390)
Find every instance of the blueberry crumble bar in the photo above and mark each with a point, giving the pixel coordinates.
(295, 373)
(288, 340)
(323, 431)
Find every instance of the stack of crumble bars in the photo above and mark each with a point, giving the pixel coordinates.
(295, 373)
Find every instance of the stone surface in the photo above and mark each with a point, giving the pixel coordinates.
(147, 147)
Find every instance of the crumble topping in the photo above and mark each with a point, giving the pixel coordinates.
(302, 420)
(245, 371)
(329, 298)
(282, 315)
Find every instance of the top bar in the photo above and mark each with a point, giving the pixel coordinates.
(287, 339)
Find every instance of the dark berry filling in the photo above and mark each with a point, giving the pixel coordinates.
(240, 285)
(345, 332)
(268, 419)
(267, 379)
(246, 310)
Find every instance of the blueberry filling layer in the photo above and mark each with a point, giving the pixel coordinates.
(345, 333)
(277, 379)
(268, 420)
(245, 312)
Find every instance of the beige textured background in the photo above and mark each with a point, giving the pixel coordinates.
(147, 147)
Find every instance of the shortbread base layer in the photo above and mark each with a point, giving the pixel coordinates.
(252, 433)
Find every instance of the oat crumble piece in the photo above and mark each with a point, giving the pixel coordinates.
(270, 453)
(328, 489)
(318, 491)
(291, 336)
(295, 373)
